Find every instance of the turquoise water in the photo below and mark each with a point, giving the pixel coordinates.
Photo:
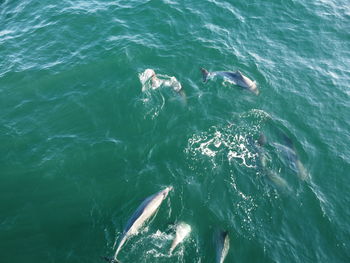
(82, 145)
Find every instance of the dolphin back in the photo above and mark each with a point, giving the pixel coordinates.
(222, 246)
(182, 231)
(288, 141)
(138, 213)
(230, 75)
(131, 222)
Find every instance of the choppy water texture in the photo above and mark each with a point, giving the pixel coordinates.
(81, 145)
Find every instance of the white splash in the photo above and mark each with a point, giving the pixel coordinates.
(211, 143)
(182, 231)
(150, 80)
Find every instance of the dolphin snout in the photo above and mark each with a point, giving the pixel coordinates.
(167, 190)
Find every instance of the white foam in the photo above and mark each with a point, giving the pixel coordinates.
(210, 144)
(150, 80)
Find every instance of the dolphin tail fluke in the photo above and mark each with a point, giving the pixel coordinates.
(205, 74)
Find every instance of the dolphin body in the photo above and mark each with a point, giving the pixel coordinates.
(236, 78)
(222, 246)
(144, 212)
(293, 158)
(263, 158)
(149, 76)
(150, 80)
(182, 231)
(272, 175)
(291, 153)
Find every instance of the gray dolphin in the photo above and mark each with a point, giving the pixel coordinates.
(264, 158)
(236, 78)
(144, 212)
(222, 246)
(182, 231)
(291, 153)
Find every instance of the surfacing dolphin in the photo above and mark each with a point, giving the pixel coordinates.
(236, 78)
(144, 212)
(150, 80)
(182, 231)
(222, 245)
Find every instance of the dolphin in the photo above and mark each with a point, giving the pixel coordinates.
(222, 246)
(150, 80)
(144, 212)
(182, 231)
(291, 153)
(149, 76)
(236, 78)
(263, 162)
(277, 180)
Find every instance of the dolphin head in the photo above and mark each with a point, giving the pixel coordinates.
(254, 88)
(166, 191)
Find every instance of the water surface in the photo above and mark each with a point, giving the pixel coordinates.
(82, 145)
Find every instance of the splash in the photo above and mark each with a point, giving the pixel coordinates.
(232, 141)
(151, 81)
(154, 102)
(219, 142)
(146, 79)
(182, 231)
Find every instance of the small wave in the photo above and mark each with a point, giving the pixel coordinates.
(225, 6)
(153, 104)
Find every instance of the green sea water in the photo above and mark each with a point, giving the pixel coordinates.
(81, 145)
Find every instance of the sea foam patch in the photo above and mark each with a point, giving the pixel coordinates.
(231, 142)
(152, 98)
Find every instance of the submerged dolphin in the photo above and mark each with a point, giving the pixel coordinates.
(182, 231)
(144, 212)
(289, 151)
(236, 78)
(293, 156)
(263, 158)
(222, 246)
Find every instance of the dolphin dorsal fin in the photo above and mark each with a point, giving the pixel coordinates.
(205, 74)
(239, 73)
